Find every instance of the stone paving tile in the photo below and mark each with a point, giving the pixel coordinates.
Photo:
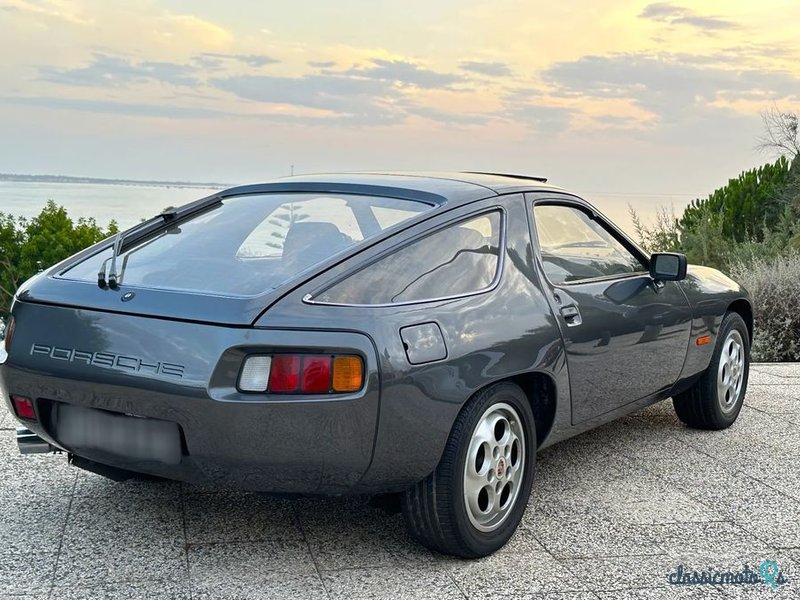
(7, 421)
(512, 574)
(32, 523)
(572, 535)
(613, 512)
(390, 583)
(26, 572)
(268, 586)
(774, 402)
(121, 536)
(365, 537)
(671, 593)
(124, 590)
(33, 475)
(244, 559)
(254, 570)
(760, 377)
(91, 484)
(722, 539)
(790, 370)
(622, 573)
(238, 517)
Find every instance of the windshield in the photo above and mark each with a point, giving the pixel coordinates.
(247, 245)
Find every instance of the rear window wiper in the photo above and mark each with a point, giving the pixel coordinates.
(144, 230)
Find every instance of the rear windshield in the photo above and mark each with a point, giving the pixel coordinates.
(250, 244)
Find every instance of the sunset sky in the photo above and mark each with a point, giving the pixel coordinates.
(599, 95)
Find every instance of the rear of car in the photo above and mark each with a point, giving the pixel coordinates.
(140, 353)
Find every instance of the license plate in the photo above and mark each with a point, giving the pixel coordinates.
(131, 439)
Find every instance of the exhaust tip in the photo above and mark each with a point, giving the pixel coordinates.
(30, 443)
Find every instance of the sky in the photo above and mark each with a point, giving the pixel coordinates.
(601, 96)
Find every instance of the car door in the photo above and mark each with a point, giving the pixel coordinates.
(625, 335)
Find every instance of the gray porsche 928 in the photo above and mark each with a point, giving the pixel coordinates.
(419, 334)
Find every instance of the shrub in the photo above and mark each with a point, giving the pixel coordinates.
(775, 286)
(30, 245)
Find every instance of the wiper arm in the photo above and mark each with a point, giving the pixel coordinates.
(145, 229)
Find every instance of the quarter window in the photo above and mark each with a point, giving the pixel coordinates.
(457, 260)
(574, 246)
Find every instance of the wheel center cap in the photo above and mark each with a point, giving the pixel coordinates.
(500, 469)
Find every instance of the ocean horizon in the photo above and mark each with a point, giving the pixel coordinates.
(128, 203)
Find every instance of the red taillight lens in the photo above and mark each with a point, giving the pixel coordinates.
(23, 407)
(285, 373)
(316, 376)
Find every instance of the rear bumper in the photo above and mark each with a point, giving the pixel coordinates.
(293, 447)
(296, 444)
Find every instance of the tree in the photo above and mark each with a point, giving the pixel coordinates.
(746, 207)
(663, 236)
(28, 246)
(781, 133)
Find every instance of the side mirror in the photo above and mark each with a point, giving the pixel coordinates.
(668, 266)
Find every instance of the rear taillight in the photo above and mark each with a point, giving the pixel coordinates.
(23, 407)
(9, 333)
(285, 374)
(301, 374)
(255, 374)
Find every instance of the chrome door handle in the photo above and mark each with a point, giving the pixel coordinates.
(571, 315)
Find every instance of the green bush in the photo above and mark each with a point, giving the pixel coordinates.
(28, 246)
(775, 286)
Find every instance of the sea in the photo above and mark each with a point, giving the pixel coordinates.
(129, 204)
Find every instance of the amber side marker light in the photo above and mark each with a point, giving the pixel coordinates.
(348, 374)
(702, 340)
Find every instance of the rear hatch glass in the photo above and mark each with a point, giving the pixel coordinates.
(248, 245)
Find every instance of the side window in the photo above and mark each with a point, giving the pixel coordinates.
(576, 247)
(460, 259)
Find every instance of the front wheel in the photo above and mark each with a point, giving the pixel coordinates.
(473, 501)
(716, 399)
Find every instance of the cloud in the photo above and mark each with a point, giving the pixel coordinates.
(666, 12)
(404, 73)
(252, 60)
(322, 64)
(367, 95)
(491, 69)
(528, 107)
(447, 117)
(670, 86)
(106, 70)
(364, 100)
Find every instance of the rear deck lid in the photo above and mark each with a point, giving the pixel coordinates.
(225, 259)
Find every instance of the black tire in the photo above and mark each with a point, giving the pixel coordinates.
(702, 406)
(435, 509)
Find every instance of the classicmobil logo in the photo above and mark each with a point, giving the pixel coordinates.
(107, 360)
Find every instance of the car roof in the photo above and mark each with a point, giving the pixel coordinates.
(452, 187)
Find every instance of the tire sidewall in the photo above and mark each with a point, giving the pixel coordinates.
(483, 543)
(730, 322)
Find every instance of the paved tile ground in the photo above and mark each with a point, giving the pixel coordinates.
(613, 513)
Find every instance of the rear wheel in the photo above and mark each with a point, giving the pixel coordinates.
(715, 400)
(472, 503)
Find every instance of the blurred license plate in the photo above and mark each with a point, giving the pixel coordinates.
(129, 438)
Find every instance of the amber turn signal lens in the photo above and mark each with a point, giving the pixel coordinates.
(703, 340)
(348, 374)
